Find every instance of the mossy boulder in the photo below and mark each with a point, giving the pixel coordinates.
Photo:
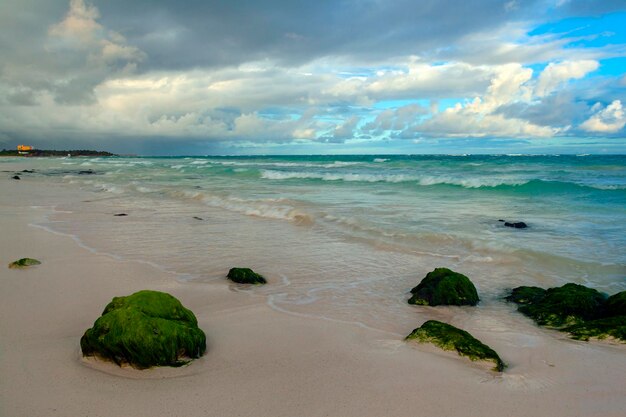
(526, 295)
(614, 327)
(245, 276)
(24, 263)
(615, 305)
(564, 306)
(145, 329)
(448, 337)
(582, 312)
(444, 287)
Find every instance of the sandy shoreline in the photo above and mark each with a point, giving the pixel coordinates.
(259, 362)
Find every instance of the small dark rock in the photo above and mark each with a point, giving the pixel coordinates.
(30, 171)
(500, 220)
(516, 225)
(120, 214)
(245, 276)
(16, 177)
(198, 218)
(86, 172)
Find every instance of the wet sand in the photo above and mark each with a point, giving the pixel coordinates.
(259, 361)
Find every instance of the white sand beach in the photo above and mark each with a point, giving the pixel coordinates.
(259, 361)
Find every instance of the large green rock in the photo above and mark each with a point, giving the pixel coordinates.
(615, 305)
(582, 312)
(565, 306)
(147, 328)
(448, 337)
(609, 327)
(23, 263)
(444, 287)
(245, 276)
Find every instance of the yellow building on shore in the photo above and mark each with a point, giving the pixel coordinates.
(24, 149)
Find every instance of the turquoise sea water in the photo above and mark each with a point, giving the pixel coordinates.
(337, 233)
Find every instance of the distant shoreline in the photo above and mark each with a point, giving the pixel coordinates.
(44, 153)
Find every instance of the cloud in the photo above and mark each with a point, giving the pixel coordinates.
(399, 119)
(560, 110)
(425, 79)
(609, 119)
(557, 73)
(589, 8)
(297, 71)
(480, 117)
(68, 60)
(209, 34)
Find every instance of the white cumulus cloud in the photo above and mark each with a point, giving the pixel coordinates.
(557, 73)
(610, 119)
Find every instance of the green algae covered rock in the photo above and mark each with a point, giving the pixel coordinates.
(564, 306)
(444, 287)
(145, 329)
(526, 295)
(609, 327)
(582, 312)
(448, 337)
(24, 263)
(245, 276)
(615, 305)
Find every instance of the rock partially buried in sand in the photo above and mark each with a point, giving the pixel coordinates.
(448, 337)
(15, 177)
(610, 327)
(444, 287)
(24, 263)
(612, 323)
(583, 312)
(245, 276)
(120, 215)
(145, 329)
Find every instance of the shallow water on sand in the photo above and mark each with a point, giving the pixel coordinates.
(345, 238)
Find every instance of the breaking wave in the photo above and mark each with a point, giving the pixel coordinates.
(535, 185)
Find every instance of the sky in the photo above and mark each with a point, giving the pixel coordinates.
(196, 77)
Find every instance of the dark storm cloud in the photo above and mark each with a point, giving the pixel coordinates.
(216, 33)
(555, 110)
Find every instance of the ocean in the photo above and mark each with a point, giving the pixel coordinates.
(346, 237)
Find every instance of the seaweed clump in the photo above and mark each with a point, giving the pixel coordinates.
(448, 337)
(24, 263)
(444, 287)
(145, 329)
(582, 312)
(245, 276)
